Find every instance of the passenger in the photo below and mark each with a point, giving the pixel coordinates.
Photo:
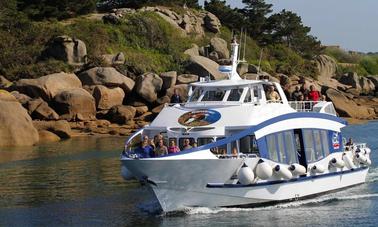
(161, 149)
(151, 142)
(195, 144)
(187, 144)
(296, 93)
(234, 152)
(145, 150)
(287, 92)
(304, 89)
(173, 148)
(313, 95)
(308, 105)
(271, 94)
(176, 97)
(323, 98)
(158, 137)
(349, 144)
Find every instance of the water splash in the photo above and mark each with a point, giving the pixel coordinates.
(308, 202)
(372, 175)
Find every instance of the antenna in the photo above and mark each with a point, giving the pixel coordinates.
(261, 53)
(245, 43)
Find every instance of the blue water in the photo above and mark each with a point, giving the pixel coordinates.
(77, 183)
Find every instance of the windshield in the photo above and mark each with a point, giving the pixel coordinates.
(213, 95)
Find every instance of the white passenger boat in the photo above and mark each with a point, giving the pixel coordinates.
(250, 150)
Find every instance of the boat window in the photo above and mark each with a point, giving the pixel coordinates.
(272, 148)
(235, 94)
(325, 142)
(291, 153)
(204, 141)
(213, 95)
(196, 95)
(248, 97)
(318, 145)
(281, 147)
(184, 147)
(248, 145)
(220, 150)
(309, 145)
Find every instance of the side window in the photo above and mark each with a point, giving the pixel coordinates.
(248, 145)
(292, 156)
(272, 148)
(248, 97)
(196, 94)
(281, 147)
(309, 145)
(204, 141)
(235, 94)
(220, 150)
(325, 142)
(318, 145)
(182, 144)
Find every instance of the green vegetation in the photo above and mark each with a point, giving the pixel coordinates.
(362, 64)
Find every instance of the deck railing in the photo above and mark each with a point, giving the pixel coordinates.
(313, 106)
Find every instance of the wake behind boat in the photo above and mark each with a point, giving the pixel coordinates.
(240, 142)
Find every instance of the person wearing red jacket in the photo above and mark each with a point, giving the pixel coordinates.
(313, 95)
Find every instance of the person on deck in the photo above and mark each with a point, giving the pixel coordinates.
(145, 150)
(187, 144)
(304, 89)
(176, 97)
(296, 93)
(314, 94)
(161, 149)
(271, 94)
(173, 148)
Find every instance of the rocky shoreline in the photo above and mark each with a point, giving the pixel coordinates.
(107, 101)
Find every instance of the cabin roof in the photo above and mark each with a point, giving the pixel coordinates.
(228, 83)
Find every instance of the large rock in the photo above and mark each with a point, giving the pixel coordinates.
(61, 128)
(193, 51)
(242, 68)
(367, 86)
(374, 79)
(212, 23)
(204, 67)
(16, 125)
(148, 85)
(6, 96)
(47, 137)
(107, 76)
(21, 98)
(327, 67)
(187, 78)
(346, 107)
(71, 50)
(121, 114)
(39, 109)
(114, 59)
(107, 97)
(220, 46)
(351, 79)
(75, 104)
(169, 79)
(182, 90)
(48, 86)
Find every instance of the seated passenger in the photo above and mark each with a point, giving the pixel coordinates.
(172, 147)
(349, 144)
(271, 94)
(187, 144)
(234, 152)
(145, 150)
(161, 149)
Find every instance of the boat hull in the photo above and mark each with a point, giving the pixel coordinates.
(179, 192)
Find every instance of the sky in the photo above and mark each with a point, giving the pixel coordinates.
(351, 24)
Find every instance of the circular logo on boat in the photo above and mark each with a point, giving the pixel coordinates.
(199, 118)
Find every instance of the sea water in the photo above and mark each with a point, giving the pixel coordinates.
(78, 182)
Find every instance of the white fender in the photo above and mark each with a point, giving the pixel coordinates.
(246, 175)
(297, 169)
(368, 161)
(361, 158)
(126, 174)
(348, 161)
(263, 170)
(283, 172)
(336, 162)
(367, 150)
(317, 168)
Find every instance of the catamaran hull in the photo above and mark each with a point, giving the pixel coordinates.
(202, 190)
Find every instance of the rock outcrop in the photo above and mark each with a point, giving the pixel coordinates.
(362, 85)
(61, 128)
(169, 79)
(4, 83)
(16, 125)
(75, 104)
(220, 47)
(6, 96)
(187, 78)
(107, 76)
(47, 137)
(114, 59)
(107, 97)
(68, 49)
(47, 86)
(121, 114)
(148, 85)
(327, 67)
(39, 109)
(204, 67)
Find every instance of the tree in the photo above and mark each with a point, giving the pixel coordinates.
(231, 18)
(287, 28)
(256, 11)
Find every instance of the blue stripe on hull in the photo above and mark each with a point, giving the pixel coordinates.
(216, 185)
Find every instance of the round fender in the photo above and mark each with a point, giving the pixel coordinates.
(317, 168)
(336, 162)
(246, 175)
(361, 158)
(348, 161)
(297, 169)
(126, 174)
(263, 170)
(282, 172)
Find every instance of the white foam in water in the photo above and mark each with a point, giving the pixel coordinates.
(372, 175)
(206, 210)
